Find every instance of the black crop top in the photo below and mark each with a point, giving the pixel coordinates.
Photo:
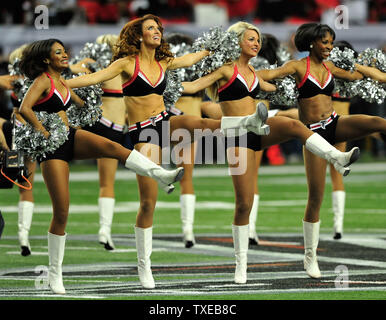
(139, 85)
(237, 88)
(310, 86)
(54, 101)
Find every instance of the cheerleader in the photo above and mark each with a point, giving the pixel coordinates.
(43, 62)
(191, 105)
(315, 83)
(141, 58)
(235, 85)
(111, 125)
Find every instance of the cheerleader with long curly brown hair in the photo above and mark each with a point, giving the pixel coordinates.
(142, 57)
(43, 62)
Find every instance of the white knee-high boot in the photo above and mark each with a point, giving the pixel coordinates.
(106, 213)
(56, 246)
(240, 242)
(144, 240)
(253, 122)
(143, 166)
(188, 202)
(253, 238)
(25, 212)
(341, 160)
(338, 203)
(311, 240)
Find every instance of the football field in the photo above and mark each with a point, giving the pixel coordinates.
(352, 268)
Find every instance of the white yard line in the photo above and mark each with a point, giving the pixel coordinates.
(221, 172)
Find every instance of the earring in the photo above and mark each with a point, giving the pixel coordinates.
(140, 39)
(311, 46)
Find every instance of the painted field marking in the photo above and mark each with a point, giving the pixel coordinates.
(222, 172)
(238, 285)
(357, 281)
(100, 289)
(45, 253)
(33, 253)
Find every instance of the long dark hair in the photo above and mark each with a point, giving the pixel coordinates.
(309, 32)
(178, 38)
(32, 61)
(129, 43)
(269, 48)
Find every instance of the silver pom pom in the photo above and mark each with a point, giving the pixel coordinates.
(286, 93)
(180, 49)
(100, 52)
(345, 89)
(370, 90)
(91, 112)
(33, 142)
(283, 55)
(374, 58)
(22, 90)
(343, 59)
(223, 45)
(14, 70)
(173, 90)
(259, 63)
(184, 74)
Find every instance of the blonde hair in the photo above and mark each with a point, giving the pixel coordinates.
(239, 28)
(16, 54)
(110, 39)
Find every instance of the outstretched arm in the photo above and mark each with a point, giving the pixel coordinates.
(203, 82)
(114, 69)
(81, 66)
(187, 60)
(285, 70)
(6, 81)
(371, 72)
(343, 74)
